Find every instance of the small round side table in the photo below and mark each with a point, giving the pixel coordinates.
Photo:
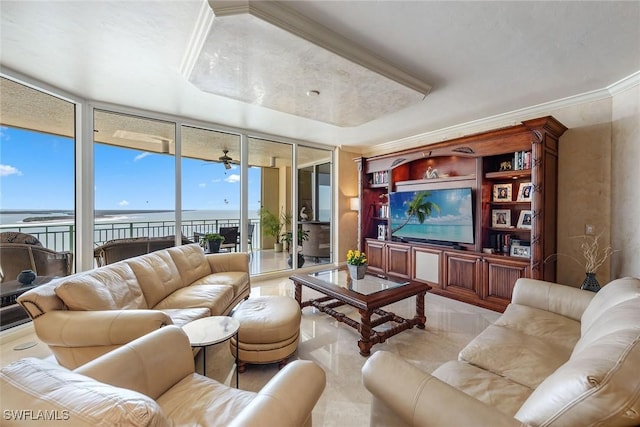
(209, 331)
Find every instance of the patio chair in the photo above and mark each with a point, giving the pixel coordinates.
(119, 249)
(230, 235)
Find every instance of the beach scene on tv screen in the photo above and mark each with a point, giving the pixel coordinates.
(449, 218)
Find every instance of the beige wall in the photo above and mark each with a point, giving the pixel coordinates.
(625, 183)
(584, 185)
(346, 231)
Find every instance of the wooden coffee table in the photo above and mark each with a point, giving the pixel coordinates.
(368, 295)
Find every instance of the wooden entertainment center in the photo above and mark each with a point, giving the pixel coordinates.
(512, 174)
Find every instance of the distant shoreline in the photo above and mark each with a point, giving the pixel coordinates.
(69, 215)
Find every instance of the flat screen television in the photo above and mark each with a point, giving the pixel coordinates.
(450, 219)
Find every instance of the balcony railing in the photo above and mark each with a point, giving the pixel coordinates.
(61, 237)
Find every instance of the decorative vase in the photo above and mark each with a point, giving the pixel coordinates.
(26, 277)
(357, 272)
(590, 283)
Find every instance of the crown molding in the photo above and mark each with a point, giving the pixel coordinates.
(511, 118)
(624, 84)
(289, 20)
(197, 39)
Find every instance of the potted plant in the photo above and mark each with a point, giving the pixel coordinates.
(211, 242)
(288, 239)
(357, 264)
(273, 224)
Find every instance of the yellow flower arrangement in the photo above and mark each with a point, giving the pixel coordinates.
(356, 257)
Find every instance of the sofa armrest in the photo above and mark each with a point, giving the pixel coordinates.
(151, 364)
(231, 261)
(68, 328)
(287, 400)
(561, 299)
(420, 399)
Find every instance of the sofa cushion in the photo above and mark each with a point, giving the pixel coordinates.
(239, 280)
(521, 358)
(200, 401)
(191, 262)
(216, 298)
(157, 275)
(494, 390)
(110, 288)
(182, 316)
(559, 330)
(46, 389)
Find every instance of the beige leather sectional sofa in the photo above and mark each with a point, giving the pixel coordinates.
(558, 356)
(85, 315)
(151, 382)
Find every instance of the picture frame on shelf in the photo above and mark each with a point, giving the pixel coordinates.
(502, 192)
(525, 192)
(501, 218)
(524, 221)
(521, 251)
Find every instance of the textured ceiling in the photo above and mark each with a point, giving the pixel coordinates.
(481, 58)
(253, 61)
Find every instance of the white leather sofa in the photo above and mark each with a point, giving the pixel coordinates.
(558, 356)
(151, 382)
(85, 315)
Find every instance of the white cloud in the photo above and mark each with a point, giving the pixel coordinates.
(216, 180)
(6, 170)
(142, 156)
(123, 203)
(202, 185)
(233, 178)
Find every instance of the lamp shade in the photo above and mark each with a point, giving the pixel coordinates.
(354, 204)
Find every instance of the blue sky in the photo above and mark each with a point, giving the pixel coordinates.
(37, 172)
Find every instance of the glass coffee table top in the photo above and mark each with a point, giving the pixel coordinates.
(367, 286)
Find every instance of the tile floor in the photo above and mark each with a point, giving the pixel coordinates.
(345, 401)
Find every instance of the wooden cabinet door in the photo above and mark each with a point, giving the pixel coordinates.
(500, 278)
(399, 260)
(376, 259)
(462, 275)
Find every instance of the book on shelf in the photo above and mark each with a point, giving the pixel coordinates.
(522, 160)
(383, 212)
(381, 177)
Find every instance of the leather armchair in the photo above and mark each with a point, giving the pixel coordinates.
(151, 381)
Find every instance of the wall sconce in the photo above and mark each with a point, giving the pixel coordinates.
(354, 203)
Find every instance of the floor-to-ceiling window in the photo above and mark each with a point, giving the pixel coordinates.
(314, 203)
(211, 186)
(37, 189)
(134, 178)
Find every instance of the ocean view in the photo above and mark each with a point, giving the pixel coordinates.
(54, 228)
(28, 218)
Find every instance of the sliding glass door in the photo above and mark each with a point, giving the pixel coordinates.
(211, 187)
(134, 176)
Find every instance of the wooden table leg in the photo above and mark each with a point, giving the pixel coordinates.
(365, 343)
(298, 293)
(420, 317)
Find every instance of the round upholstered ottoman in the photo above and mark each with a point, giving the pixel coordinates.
(269, 330)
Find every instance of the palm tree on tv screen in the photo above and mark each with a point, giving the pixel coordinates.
(420, 207)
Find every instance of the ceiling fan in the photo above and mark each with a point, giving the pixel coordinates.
(225, 159)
